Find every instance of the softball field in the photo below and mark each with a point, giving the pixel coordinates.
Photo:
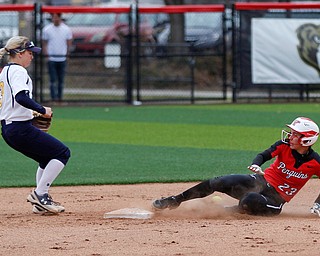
(198, 227)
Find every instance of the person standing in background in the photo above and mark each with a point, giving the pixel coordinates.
(56, 42)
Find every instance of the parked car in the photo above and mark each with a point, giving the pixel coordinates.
(92, 31)
(202, 31)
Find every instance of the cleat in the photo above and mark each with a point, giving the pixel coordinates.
(44, 203)
(168, 202)
(40, 211)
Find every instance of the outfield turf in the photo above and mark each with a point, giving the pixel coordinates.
(120, 145)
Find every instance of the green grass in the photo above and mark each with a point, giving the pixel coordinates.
(121, 145)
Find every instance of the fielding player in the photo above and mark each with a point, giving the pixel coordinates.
(16, 114)
(265, 192)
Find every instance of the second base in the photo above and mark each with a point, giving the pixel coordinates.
(129, 213)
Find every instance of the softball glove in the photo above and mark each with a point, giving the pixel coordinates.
(41, 122)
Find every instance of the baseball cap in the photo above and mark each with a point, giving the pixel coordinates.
(29, 45)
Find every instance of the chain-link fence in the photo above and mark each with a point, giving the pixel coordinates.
(15, 20)
(97, 65)
(134, 54)
(139, 54)
(189, 67)
(127, 54)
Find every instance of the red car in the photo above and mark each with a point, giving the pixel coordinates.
(92, 31)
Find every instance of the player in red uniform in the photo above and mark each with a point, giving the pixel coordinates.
(265, 192)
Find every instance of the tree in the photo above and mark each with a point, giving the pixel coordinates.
(177, 20)
(177, 25)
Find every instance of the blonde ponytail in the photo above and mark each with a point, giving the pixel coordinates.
(13, 43)
(3, 52)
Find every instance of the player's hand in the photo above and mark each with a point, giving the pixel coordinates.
(48, 113)
(315, 209)
(256, 169)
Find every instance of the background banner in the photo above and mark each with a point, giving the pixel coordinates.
(285, 51)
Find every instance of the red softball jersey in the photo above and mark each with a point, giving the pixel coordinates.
(290, 171)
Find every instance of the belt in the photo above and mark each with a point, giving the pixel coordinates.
(7, 122)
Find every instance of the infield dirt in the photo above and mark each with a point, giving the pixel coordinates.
(197, 227)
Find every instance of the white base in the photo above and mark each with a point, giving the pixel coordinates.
(129, 213)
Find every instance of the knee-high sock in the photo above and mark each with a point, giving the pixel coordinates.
(39, 175)
(200, 190)
(50, 173)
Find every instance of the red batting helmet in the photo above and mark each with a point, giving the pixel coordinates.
(308, 129)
